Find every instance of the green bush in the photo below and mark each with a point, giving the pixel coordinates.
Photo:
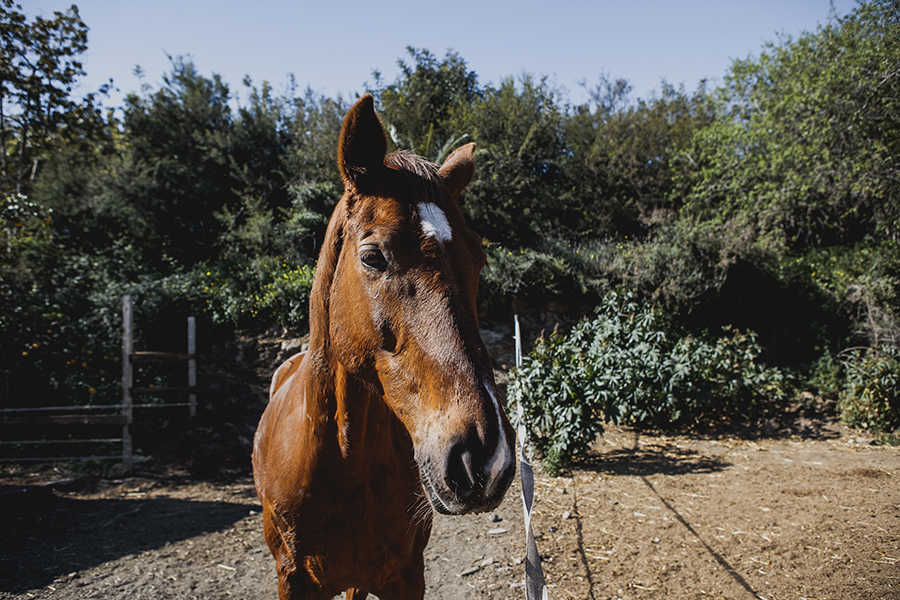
(257, 291)
(527, 275)
(860, 283)
(871, 396)
(627, 366)
(826, 376)
(678, 266)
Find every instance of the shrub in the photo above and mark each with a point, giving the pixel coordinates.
(627, 366)
(525, 274)
(826, 376)
(257, 291)
(859, 283)
(871, 396)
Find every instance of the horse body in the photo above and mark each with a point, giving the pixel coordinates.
(393, 411)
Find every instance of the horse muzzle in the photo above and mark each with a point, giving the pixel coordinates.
(468, 479)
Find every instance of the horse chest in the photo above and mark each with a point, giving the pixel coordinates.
(371, 507)
(368, 533)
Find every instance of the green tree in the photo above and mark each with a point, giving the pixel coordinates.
(808, 150)
(416, 107)
(800, 172)
(315, 126)
(177, 172)
(621, 153)
(314, 182)
(518, 196)
(38, 66)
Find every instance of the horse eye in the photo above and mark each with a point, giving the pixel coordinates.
(373, 258)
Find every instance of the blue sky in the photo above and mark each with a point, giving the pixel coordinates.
(333, 46)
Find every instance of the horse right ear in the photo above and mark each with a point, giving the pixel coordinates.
(363, 145)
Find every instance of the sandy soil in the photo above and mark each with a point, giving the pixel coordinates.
(811, 511)
(646, 517)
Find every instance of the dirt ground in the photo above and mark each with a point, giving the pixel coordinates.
(811, 511)
(646, 517)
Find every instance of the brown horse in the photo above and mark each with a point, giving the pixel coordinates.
(393, 411)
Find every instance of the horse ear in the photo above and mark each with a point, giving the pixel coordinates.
(362, 145)
(459, 168)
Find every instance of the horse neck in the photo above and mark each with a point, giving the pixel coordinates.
(361, 429)
(364, 428)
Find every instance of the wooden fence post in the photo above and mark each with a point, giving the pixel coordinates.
(127, 378)
(192, 365)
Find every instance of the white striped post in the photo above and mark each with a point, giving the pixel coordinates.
(127, 379)
(192, 365)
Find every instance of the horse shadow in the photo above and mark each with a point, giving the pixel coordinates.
(47, 535)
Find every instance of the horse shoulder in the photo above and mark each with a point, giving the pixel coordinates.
(284, 371)
(285, 439)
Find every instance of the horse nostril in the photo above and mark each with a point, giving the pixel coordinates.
(459, 472)
(388, 339)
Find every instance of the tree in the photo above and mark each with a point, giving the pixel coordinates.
(416, 106)
(177, 172)
(38, 65)
(518, 196)
(621, 153)
(808, 150)
(314, 182)
(800, 171)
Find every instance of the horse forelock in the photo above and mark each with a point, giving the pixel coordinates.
(422, 176)
(404, 160)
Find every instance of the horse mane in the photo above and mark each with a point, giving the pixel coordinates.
(321, 289)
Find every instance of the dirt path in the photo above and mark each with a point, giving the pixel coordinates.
(647, 517)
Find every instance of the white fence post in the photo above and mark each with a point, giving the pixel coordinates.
(535, 584)
(127, 379)
(192, 365)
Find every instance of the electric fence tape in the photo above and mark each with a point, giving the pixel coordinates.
(535, 585)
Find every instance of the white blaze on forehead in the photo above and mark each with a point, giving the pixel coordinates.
(434, 222)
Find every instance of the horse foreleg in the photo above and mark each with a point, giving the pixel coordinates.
(402, 590)
(295, 584)
(292, 584)
(356, 594)
(408, 584)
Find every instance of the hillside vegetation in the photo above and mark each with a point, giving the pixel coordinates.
(743, 239)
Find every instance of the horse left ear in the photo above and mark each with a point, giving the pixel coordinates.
(459, 168)
(362, 145)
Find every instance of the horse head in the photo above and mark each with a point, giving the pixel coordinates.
(394, 305)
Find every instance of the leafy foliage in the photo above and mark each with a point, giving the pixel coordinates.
(38, 67)
(416, 107)
(768, 203)
(627, 366)
(257, 292)
(517, 128)
(871, 398)
(622, 152)
(808, 149)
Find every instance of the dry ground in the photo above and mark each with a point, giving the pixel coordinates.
(811, 511)
(646, 517)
